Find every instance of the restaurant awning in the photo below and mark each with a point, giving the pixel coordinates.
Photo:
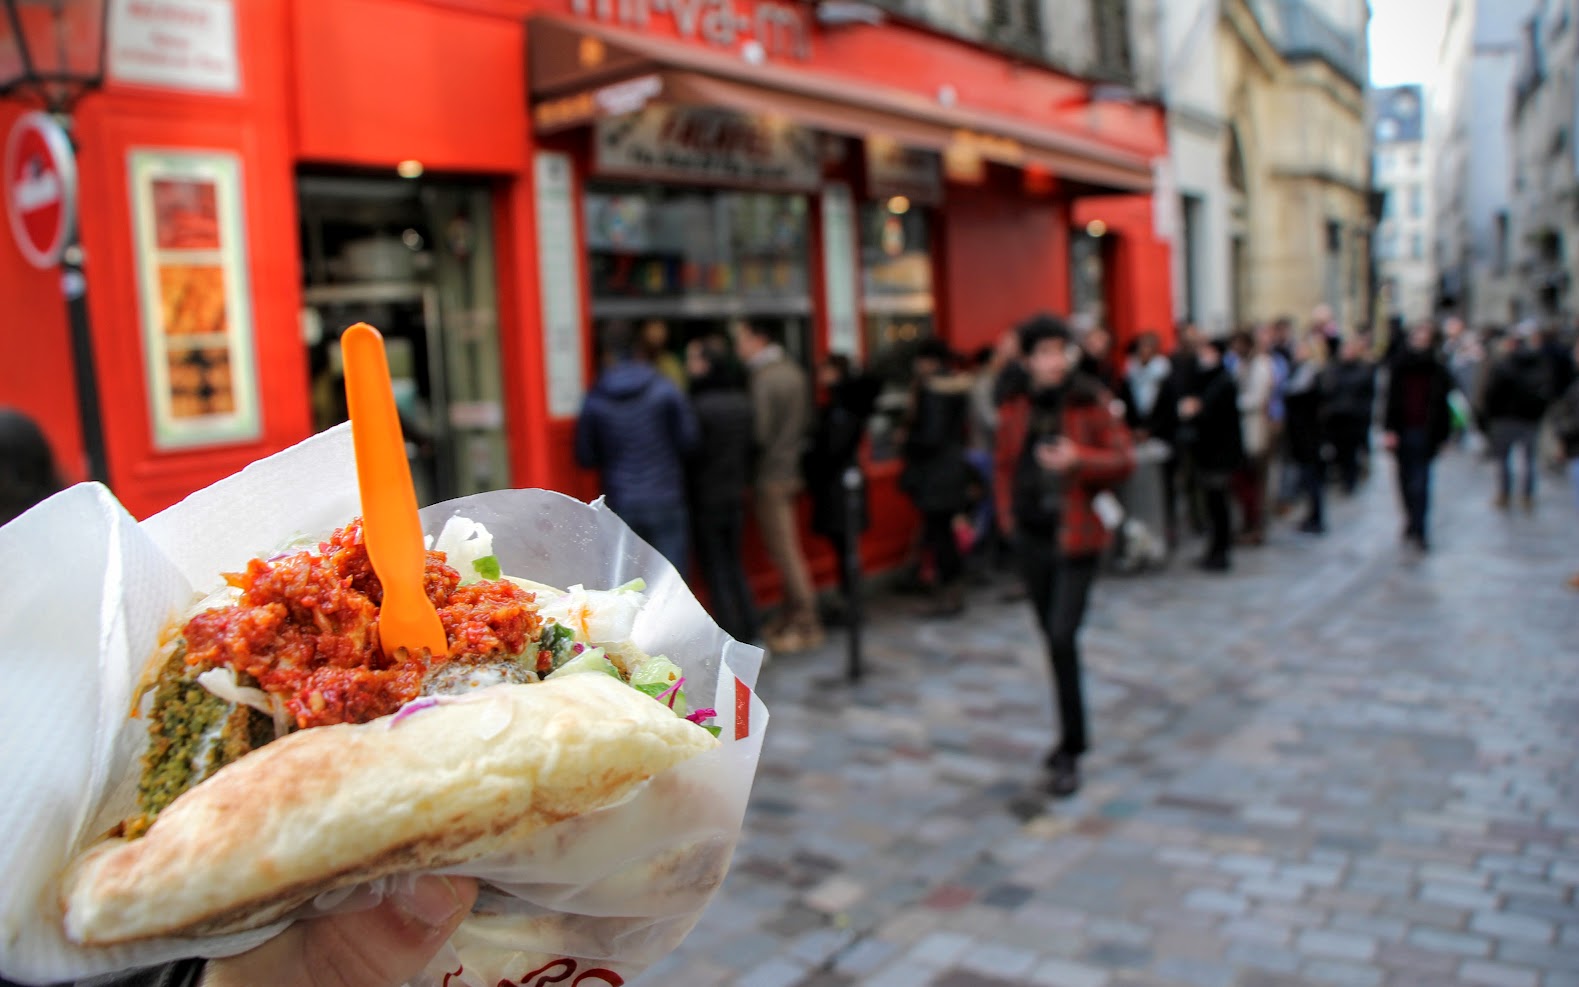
(631, 70)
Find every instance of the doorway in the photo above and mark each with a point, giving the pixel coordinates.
(416, 260)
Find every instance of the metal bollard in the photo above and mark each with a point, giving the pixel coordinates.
(853, 482)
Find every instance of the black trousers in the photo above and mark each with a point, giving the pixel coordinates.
(937, 532)
(1349, 436)
(1059, 588)
(1313, 483)
(1414, 479)
(718, 532)
(1219, 516)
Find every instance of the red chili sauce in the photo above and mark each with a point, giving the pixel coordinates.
(306, 628)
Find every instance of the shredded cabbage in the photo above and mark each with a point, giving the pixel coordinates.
(596, 616)
(464, 543)
(221, 682)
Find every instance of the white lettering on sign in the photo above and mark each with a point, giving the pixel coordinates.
(38, 190)
(179, 44)
(694, 143)
(780, 28)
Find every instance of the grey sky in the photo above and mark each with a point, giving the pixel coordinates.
(1405, 36)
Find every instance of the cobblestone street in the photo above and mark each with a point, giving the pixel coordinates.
(1341, 764)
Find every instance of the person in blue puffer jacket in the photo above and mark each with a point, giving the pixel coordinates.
(636, 428)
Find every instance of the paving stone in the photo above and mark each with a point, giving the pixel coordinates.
(1260, 956)
(1196, 973)
(1444, 941)
(1338, 945)
(865, 957)
(1258, 931)
(1281, 888)
(1498, 974)
(1507, 925)
(1216, 902)
(1004, 962)
(777, 972)
(906, 973)
(1458, 896)
(1409, 958)
(941, 949)
(1067, 973)
(1383, 928)
(1341, 973)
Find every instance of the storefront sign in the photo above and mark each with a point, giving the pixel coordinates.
(195, 298)
(559, 277)
(894, 169)
(839, 264)
(766, 28)
(40, 188)
(702, 145)
(628, 96)
(181, 44)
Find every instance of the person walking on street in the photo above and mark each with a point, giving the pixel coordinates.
(937, 476)
(1058, 447)
(1146, 375)
(1565, 425)
(781, 399)
(1302, 405)
(720, 471)
(1210, 429)
(849, 399)
(1350, 385)
(636, 428)
(1179, 473)
(1517, 395)
(1256, 379)
(1418, 422)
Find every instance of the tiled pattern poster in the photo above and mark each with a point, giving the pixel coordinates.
(195, 301)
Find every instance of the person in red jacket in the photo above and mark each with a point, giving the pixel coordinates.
(1059, 445)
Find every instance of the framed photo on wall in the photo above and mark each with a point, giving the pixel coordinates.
(194, 298)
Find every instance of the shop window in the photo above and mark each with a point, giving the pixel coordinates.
(897, 302)
(699, 259)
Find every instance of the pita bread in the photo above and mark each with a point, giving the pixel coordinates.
(334, 806)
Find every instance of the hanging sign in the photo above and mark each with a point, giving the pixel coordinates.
(179, 44)
(691, 143)
(40, 188)
(894, 169)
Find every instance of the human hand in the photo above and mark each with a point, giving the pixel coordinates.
(1390, 441)
(381, 947)
(1059, 456)
(1189, 407)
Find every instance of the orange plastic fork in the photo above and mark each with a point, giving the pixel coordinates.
(390, 524)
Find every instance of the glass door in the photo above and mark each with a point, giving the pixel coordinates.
(416, 260)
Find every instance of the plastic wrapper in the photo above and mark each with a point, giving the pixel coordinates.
(593, 900)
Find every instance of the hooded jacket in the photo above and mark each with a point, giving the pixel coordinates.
(637, 429)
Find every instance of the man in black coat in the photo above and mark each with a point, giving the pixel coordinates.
(718, 475)
(1518, 392)
(1210, 430)
(1419, 421)
(849, 398)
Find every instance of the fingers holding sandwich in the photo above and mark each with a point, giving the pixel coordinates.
(381, 947)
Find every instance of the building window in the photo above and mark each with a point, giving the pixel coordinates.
(1236, 161)
(1501, 259)
(1015, 24)
(1416, 201)
(1416, 247)
(1110, 19)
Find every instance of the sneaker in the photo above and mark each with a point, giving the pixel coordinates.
(1063, 775)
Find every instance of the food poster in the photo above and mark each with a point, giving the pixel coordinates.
(195, 302)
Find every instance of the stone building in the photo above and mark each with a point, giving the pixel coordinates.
(1293, 76)
(1543, 247)
(1469, 140)
(1402, 173)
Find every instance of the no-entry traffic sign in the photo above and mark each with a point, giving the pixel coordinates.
(40, 188)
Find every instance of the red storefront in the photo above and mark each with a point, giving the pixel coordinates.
(489, 180)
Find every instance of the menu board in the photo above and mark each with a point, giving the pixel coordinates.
(559, 277)
(194, 298)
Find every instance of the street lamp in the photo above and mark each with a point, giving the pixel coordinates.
(53, 50)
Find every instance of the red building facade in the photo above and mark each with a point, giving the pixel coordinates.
(491, 180)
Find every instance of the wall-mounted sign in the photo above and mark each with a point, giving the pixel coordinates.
(195, 298)
(179, 44)
(894, 169)
(40, 188)
(620, 98)
(559, 277)
(701, 144)
(765, 28)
